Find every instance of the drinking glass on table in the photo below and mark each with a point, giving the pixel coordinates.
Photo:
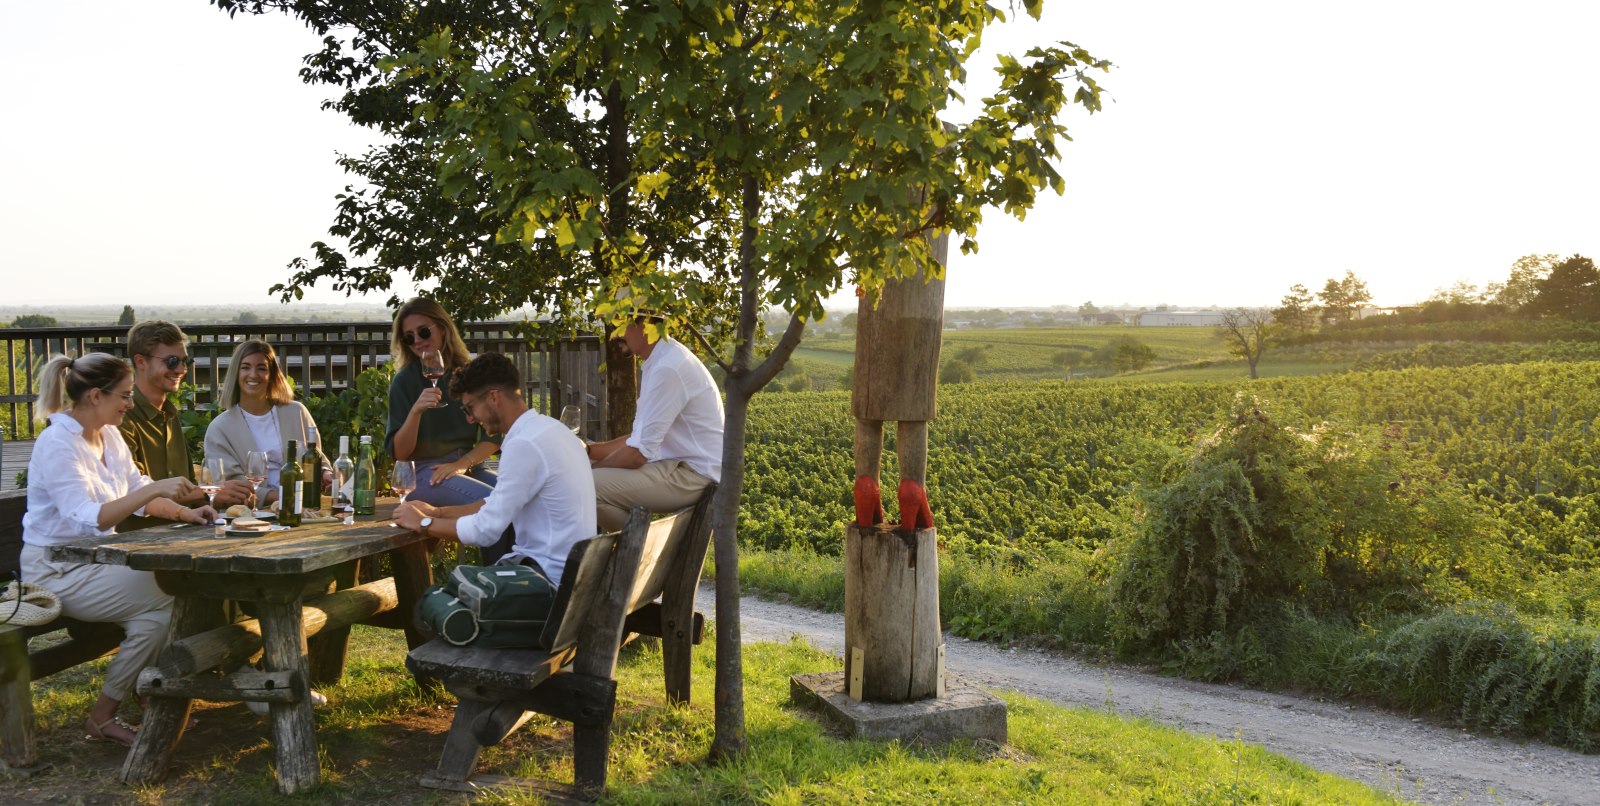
(211, 478)
(255, 469)
(403, 478)
(572, 418)
(433, 370)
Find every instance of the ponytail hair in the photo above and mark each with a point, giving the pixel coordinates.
(63, 381)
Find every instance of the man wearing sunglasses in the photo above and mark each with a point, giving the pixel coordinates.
(160, 356)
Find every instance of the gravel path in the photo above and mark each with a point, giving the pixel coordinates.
(1415, 759)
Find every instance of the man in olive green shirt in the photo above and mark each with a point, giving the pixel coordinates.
(160, 356)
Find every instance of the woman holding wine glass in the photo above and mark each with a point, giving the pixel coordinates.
(82, 482)
(259, 414)
(426, 425)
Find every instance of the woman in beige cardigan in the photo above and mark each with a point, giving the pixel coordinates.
(260, 414)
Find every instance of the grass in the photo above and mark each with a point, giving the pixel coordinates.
(381, 732)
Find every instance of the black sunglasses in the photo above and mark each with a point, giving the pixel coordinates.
(423, 333)
(172, 361)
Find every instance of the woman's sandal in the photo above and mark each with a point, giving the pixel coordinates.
(97, 731)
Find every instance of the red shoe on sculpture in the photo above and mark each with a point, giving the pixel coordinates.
(914, 511)
(869, 505)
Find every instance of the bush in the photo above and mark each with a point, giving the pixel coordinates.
(957, 371)
(1263, 515)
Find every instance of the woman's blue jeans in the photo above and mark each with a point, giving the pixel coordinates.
(474, 485)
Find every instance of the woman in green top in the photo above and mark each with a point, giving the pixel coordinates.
(426, 425)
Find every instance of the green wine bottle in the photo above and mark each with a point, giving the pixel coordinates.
(311, 463)
(366, 492)
(291, 493)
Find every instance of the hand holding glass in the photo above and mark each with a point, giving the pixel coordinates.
(403, 478)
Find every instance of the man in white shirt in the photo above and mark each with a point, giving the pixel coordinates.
(675, 448)
(544, 491)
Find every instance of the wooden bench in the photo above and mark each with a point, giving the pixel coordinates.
(607, 592)
(20, 665)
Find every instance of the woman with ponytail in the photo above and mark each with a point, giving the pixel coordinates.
(81, 483)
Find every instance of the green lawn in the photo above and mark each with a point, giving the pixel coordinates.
(380, 733)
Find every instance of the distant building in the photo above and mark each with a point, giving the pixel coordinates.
(1180, 318)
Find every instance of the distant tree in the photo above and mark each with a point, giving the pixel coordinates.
(1341, 299)
(1124, 354)
(1572, 291)
(957, 371)
(1088, 308)
(248, 318)
(1248, 333)
(1522, 286)
(1065, 360)
(975, 355)
(849, 322)
(127, 318)
(35, 320)
(1296, 313)
(1460, 293)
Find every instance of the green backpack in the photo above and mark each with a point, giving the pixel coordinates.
(490, 606)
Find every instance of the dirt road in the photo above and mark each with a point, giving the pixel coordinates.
(1415, 759)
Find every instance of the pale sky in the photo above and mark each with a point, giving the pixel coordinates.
(157, 151)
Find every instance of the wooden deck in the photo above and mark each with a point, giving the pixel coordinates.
(13, 460)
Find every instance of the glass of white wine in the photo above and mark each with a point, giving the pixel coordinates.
(403, 478)
(255, 469)
(211, 478)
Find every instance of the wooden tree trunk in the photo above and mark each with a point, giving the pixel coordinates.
(892, 643)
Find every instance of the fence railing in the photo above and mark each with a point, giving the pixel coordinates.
(321, 358)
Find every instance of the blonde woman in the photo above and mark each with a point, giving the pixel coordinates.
(427, 425)
(259, 414)
(81, 483)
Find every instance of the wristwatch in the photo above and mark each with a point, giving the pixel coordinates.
(422, 526)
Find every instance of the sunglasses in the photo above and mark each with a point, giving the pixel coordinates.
(423, 333)
(172, 361)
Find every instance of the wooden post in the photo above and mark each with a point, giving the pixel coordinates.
(17, 749)
(891, 613)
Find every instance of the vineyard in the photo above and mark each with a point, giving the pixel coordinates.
(1482, 487)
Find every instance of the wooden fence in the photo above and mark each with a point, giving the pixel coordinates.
(321, 358)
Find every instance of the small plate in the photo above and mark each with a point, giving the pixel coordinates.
(266, 514)
(255, 532)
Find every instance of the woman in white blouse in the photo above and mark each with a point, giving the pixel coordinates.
(260, 414)
(81, 483)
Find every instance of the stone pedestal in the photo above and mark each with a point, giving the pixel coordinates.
(963, 712)
(893, 649)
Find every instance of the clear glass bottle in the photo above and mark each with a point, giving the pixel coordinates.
(291, 492)
(344, 472)
(366, 492)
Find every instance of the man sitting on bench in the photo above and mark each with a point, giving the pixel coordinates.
(545, 492)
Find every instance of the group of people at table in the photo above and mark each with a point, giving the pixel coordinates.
(113, 458)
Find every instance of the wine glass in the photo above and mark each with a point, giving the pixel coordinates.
(255, 469)
(433, 370)
(211, 478)
(572, 418)
(403, 478)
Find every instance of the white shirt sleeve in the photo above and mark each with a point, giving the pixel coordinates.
(661, 400)
(119, 460)
(523, 472)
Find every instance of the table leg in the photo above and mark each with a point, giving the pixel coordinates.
(413, 573)
(294, 735)
(17, 750)
(329, 647)
(165, 718)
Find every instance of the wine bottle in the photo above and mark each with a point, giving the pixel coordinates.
(344, 472)
(291, 492)
(366, 492)
(311, 464)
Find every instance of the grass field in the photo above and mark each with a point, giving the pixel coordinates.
(380, 733)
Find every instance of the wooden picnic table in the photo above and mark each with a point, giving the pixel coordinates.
(273, 574)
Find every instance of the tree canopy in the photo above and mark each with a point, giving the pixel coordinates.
(714, 159)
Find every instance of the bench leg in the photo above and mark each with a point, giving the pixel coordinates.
(165, 718)
(591, 744)
(328, 648)
(17, 750)
(294, 735)
(461, 748)
(677, 622)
